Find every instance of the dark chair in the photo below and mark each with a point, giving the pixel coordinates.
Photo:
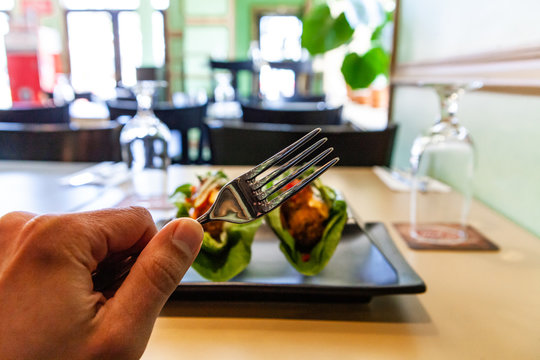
(181, 119)
(60, 142)
(236, 143)
(36, 115)
(122, 107)
(87, 95)
(296, 113)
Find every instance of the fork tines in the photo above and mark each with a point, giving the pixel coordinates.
(299, 186)
(283, 154)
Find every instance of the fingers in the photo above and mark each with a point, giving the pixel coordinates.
(109, 231)
(155, 275)
(124, 228)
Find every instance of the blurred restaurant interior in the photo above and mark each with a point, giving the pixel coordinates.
(237, 80)
(195, 46)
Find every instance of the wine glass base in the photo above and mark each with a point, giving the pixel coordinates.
(439, 234)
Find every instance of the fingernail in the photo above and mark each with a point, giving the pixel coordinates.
(188, 236)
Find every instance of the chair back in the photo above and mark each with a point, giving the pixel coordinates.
(295, 113)
(60, 142)
(180, 119)
(36, 115)
(122, 107)
(249, 144)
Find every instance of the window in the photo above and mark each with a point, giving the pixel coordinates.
(101, 4)
(92, 56)
(6, 5)
(279, 38)
(109, 54)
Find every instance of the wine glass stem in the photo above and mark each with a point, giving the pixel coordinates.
(144, 101)
(449, 107)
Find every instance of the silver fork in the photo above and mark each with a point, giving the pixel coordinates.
(245, 198)
(241, 200)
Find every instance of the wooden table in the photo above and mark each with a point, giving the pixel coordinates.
(479, 305)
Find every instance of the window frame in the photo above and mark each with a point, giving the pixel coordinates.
(116, 38)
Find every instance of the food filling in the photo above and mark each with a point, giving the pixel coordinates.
(202, 199)
(305, 217)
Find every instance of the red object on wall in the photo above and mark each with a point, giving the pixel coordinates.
(24, 77)
(40, 7)
(23, 63)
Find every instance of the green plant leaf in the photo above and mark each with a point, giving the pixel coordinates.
(382, 35)
(321, 32)
(359, 71)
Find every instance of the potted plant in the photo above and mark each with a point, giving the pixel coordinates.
(351, 26)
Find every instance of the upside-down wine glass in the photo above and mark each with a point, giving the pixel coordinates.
(445, 153)
(144, 140)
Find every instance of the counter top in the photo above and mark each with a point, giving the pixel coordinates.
(478, 305)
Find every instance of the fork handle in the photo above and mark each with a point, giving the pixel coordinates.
(204, 218)
(111, 273)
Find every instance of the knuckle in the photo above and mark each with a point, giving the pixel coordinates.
(42, 225)
(11, 216)
(41, 235)
(137, 216)
(15, 218)
(140, 212)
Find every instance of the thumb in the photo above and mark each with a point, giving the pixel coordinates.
(157, 272)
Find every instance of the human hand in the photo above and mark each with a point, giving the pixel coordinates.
(47, 303)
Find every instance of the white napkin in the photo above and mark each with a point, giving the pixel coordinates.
(106, 173)
(401, 181)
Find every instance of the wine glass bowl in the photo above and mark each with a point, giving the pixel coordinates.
(144, 141)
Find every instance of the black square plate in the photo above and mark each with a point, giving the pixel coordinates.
(359, 269)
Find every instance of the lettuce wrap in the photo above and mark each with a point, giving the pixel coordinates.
(323, 230)
(226, 247)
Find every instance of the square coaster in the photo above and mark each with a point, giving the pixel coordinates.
(475, 240)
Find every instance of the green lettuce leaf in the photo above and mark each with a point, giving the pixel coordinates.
(325, 248)
(219, 259)
(231, 257)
